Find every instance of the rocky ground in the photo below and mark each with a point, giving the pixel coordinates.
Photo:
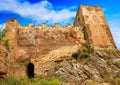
(98, 66)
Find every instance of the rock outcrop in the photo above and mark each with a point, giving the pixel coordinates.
(96, 66)
(3, 60)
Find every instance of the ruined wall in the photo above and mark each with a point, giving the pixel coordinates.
(95, 26)
(41, 45)
(37, 41)
(33, 43)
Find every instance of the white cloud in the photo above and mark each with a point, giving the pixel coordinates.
(105, 9)
(39, 12)
(115, 30)
(2, 26)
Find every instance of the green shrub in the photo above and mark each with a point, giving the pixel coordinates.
(84, 55)
(3, 38)
(90, 49)
(117, 81)
(6, 41)
(75, 55)
(2, 33)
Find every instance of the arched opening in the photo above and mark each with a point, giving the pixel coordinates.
(30, 70)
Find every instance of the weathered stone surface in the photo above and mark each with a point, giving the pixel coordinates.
(3, 60)
(95, 68)
(96, 29)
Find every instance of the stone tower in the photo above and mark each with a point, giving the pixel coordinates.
(11, 34)
(96, 29)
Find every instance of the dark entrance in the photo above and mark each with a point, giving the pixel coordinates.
(30, 70)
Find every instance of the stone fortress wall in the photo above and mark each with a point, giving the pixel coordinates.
(41, 45)
(89, 25)
(43, 39)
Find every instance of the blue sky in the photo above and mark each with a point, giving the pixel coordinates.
(58, 11)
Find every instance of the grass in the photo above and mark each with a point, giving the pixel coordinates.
(111, 81)
(111, 52)
(32, 81)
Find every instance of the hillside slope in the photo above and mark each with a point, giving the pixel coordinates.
(97, 66)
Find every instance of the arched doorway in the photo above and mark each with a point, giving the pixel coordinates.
(30, 70)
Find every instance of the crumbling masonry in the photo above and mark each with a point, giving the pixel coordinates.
(40, 45)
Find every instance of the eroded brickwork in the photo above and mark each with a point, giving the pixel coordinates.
(40, 40)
